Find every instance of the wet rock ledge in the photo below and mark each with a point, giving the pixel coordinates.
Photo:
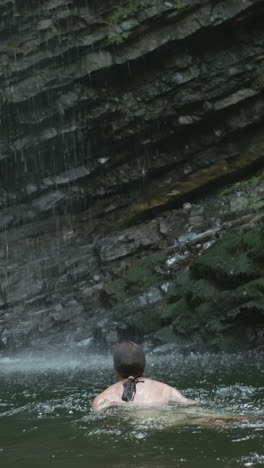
(121, 124)
(191, 279)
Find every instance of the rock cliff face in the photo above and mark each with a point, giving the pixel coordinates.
(115, 115)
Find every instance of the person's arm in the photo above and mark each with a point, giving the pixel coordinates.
(178, 397)
(102, 405)
(105, 400)
(97, 404)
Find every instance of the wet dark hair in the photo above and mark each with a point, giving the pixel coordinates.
(129, 362)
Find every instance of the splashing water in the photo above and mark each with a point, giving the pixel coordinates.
(45, 412)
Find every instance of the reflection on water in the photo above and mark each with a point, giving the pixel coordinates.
(46, 418)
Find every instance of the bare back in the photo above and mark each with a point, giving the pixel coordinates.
(148, 393)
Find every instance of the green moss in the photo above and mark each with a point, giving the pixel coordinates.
(137, 278)
(194, 291)
(237, 258)
(214, 314)
(115, 292)
(166, 314)
(252, 203)
(179, 288)
(115, 38)
(198, 180)
(226, 272)
(190, 302)
(247, 292)
(200, 292)
(122, 13)
(138, 324)
(140, 108)
(130, 8)
(183, 318)
(227, 280)
(180, 4)
(243, 185)
(143, 274)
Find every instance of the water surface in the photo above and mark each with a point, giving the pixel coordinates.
(46, 418)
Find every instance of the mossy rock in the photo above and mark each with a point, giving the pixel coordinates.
(245, 185)
(167, 314)
(236, 259)
(140, 323)
(166, 335)
(181, 4)
(114, 292)
(215, 316)
(251, 291)
(143, 273)
(200, 291)
(227, 273)
(139, 276)
(130, 8)
(115, 38)
(223, 286)
(194, 291)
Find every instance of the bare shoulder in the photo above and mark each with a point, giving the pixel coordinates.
(106, 398)
(159, 385)
(170, 394)
(178, 397)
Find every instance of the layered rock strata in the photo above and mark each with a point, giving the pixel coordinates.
(113, 115)
(112, 105)
(63, 285)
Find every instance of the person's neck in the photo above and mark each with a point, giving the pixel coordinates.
(121, 378)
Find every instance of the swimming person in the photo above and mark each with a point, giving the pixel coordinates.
(132, 389)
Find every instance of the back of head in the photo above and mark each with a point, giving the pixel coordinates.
(129, 359)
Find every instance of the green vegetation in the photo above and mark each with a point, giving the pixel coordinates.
(137, 278)
(178, 4)
(252, 203)
(122, 13)
(237, 258)
(143, 273)
(243, 185)
(115, 38)
(249, 199)
(140, 108)
(130, 9)
(228, 278)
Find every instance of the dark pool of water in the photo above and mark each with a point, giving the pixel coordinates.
(46, 419)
